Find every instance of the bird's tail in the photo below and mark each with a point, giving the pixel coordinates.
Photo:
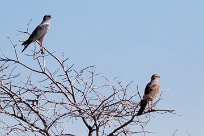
(26, 43)
(143, 104)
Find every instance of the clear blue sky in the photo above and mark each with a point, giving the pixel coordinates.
(130, 39)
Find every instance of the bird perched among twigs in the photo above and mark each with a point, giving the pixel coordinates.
(151, 91)
(39, 33)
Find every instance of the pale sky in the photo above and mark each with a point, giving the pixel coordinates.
(131, 40)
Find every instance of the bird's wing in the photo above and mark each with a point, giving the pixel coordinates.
(146, 98)
(39, 32)
(148, 89)
(151, 91)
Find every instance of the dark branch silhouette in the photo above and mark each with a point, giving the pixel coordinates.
(36, 99)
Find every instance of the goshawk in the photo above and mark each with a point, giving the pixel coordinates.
(39, 33)
(151, 91)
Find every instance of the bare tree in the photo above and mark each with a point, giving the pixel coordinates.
(36, 99)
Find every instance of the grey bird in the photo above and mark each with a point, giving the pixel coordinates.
(151, 91)
(39, 33)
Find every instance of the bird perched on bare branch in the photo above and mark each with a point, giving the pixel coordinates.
(151, 91)
(39, 33)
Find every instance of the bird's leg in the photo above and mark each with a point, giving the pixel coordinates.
(148, 106)
(152, 106)
(41, 48)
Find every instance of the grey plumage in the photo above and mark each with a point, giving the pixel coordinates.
(39, 33)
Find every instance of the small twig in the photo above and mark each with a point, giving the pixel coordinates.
(175, 132)
(29, 24)
(14, 47)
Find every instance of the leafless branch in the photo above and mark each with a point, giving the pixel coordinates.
(38, 100)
